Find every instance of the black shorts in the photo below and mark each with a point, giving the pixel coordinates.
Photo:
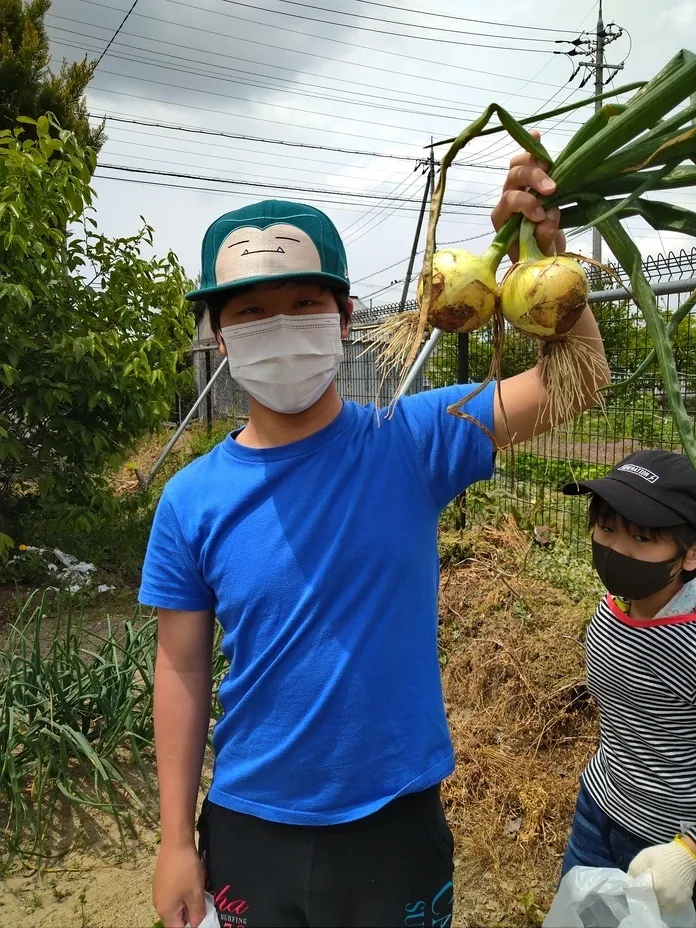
(392, 868)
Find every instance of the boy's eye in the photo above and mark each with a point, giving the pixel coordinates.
(304, 303)
(641, 538)
(606, 528)
(250, 310)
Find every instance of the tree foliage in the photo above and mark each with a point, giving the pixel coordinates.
(93, 332)
(27, 85)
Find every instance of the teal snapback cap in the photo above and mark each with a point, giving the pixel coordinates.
(266, 241)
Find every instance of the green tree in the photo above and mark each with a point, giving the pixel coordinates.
(92, 332)
(27, 85)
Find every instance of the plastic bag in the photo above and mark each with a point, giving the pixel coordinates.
(211, 919)
(595, 897)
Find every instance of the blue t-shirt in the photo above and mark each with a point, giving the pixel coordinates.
(320, 559)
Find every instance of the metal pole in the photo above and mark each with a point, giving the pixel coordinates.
(661, 289)
(418, 364)
(599, 84)
(463, 358)
(145, 481)
(462, 377)
(426, 193)
(208, 397)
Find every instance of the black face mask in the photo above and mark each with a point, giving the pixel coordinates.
(628, 577)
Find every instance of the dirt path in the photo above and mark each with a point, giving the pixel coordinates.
(86, 890)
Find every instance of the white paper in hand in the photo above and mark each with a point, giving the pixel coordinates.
(211, 919)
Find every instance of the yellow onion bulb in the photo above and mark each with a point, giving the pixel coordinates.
(544, 297)
(464, 291)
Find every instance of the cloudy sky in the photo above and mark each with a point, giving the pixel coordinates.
(355, 89)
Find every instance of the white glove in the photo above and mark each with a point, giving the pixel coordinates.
(673, 869)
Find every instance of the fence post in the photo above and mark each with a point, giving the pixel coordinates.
(209, 398)
(462, 377)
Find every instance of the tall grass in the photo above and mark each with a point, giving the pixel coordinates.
(76, 718)
(75, 709)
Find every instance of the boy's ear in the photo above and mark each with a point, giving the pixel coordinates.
(690, 559)
(221, 344)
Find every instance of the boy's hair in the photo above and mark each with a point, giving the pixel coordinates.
(215, 303)
(684, 535)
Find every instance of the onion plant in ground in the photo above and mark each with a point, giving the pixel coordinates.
(76, 721)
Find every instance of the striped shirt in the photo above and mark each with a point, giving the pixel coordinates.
(643, 677)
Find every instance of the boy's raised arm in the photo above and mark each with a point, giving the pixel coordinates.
(524, 396)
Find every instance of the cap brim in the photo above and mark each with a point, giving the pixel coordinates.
(250, 281)
(629, 502)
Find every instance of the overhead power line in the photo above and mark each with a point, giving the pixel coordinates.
(458, 18)
(400, 35)
(264, 186)
(355, 85)
(396, 22)
(284, 48)
(195, 130)
(353, 97)
(229, 114)
(233, 157)
(460, 111)
(284, 106)
(218, 191)
(114, 36)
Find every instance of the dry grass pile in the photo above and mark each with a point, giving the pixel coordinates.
(145, 455)
(522, 723)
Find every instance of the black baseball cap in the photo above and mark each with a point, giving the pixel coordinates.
(656, 489)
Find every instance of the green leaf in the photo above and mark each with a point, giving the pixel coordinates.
(631, 260)
(6, 545)
(559, 111)
(46, 484)
(9, 374)
(625, 204)
(588, 130)
(665, 217)
(674, 84)
(627, 183)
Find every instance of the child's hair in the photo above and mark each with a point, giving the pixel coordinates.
(215, 303)
(684, 535)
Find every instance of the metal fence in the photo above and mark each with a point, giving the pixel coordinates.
(634, 418)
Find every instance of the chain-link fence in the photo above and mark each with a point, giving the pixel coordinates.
(636, 417)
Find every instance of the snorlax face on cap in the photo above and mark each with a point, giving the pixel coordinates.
(270, 240)
(271, 252)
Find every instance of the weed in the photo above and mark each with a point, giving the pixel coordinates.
(76, 716)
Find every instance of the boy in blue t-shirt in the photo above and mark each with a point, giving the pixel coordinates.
(311, 534)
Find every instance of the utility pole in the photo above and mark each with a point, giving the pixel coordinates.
(599, 86)
(591, 48)
(427, 193)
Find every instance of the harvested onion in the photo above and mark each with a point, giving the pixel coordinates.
(464, 291)
(543, 296)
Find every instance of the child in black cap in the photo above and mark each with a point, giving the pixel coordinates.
(639, 790)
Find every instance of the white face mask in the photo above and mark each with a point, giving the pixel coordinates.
(286, 362)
